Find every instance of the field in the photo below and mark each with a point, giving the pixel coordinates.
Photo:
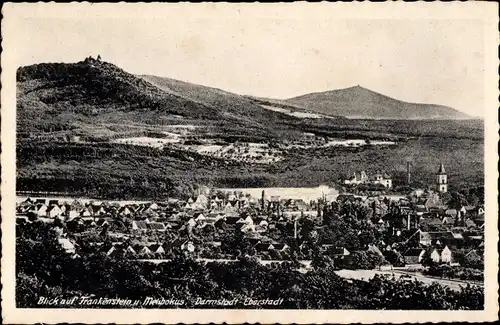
(113, 170)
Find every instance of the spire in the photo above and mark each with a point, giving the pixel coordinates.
(441, 169)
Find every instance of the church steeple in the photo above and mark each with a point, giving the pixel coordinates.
(442, 179)
(441, 169)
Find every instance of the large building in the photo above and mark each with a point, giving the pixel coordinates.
(363, 178)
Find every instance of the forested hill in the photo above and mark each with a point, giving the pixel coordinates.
(62, 96)
(229, 103)
(359, 102)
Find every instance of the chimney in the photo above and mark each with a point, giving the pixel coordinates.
(408, 221)
(262, 204)
(408, 171)
(295, 228)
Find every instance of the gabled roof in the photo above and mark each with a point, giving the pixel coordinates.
(155, 247)
(179, 242)
(374, 249)
(451, 212)
(438, 235)
(280, 246)
(66, 243)
(101, 222)
(433, 221)
(156, 225)
(262, 247)
(421, 208)
(473, 253)
(95, 208)
(413, 252)
(52, 207)
(470, 223)
(141, 224)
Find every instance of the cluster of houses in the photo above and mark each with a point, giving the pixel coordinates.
(420, 223)
(161, 227)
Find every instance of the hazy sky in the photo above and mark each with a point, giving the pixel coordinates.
(428, 61)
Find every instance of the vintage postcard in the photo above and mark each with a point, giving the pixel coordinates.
(271, 163)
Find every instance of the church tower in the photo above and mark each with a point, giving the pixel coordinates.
(442, 180)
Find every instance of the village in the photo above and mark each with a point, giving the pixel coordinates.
(403, 231)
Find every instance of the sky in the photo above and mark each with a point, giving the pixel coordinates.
(435, 61)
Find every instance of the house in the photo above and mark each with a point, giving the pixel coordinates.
(143, 250)
(413, 255)
(89, 223)
(248, 220)
(85, 212)
(54, 211)
(357, 178)
(157, 249)
(157, 226)
(457, 236)
(67, 245)
(432, 201)
(472, 257)
(280, 247)
(448, 221)
(191, 223)
(469, 223)
(199, 217)
(263, 247)
(97, 210)
(435, 256)
(140, 225)
(102, 223)
(187, 245)
(432, 221)
(453, 213)
(338, 252)
(120, 251)
(40, 201)
(70, 212)
(230, 207)
(375, 249)
(28, 201)
(39, 209)
(381, 178)
(432, 238)
(470, 211)
(124, 211)
(153, 206)
(479, 220)
(200, 203)
(246, 228)
(446, 255)
(421, 210)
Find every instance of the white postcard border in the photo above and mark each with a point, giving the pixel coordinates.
(485, 11)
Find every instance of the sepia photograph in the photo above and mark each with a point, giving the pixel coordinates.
(248, 158)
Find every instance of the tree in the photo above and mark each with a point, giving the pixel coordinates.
(362, 260)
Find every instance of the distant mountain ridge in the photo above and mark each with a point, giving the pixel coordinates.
(66, 96)
(359, 102)
(79, 96)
